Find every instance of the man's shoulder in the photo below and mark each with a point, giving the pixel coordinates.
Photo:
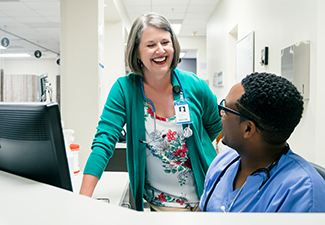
(296, 178)
(224, 158)
(228, 153)
(297, 169)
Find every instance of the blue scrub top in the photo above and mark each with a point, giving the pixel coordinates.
(294, 186)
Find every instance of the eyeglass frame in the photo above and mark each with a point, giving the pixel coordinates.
(226, 109)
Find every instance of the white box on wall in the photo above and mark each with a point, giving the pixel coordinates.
(295, 66)
(218, 79)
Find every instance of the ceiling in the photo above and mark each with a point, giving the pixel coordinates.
(32, 25)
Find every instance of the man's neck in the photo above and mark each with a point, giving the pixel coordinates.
(256, 159)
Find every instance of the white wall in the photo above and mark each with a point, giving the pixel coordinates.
(277, 24)
(81, 48)
(33, 66)
(196, 43)
(320, 81)
(113, 59)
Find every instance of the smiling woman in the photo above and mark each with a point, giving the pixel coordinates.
(156, 52)
(136, 36)
(168, 166)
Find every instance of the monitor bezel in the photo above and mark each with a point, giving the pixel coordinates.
(55, 150)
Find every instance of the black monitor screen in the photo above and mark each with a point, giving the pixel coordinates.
(32, 144)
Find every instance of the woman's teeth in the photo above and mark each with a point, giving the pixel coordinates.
(159, 60)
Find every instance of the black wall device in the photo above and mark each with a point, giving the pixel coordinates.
(265, 56)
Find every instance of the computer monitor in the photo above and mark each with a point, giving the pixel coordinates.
(32, 144)
(41, 84)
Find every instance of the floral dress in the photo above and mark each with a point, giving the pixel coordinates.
(169, 176)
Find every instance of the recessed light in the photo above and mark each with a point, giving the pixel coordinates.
(176, 27)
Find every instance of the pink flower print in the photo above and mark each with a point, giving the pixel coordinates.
(184, 146)
(157, 117)
(171, 135)
(180, 152)
(174, 163)
(188, 164)
(180, 202)
(161, 197)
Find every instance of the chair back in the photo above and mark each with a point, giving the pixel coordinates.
(320, 169)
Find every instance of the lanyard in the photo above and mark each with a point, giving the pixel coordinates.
(187, 131)
(147, 99)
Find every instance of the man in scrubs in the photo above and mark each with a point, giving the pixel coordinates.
(258, 172)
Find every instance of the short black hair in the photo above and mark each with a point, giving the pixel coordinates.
(274, 103)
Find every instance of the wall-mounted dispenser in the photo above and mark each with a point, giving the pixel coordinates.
(295, 66)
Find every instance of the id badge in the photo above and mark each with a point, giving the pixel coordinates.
(182, 112)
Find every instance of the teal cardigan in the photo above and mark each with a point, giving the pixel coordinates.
(124, 105)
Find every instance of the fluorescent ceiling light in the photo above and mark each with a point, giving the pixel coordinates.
(14, 55)
(176, 27)
(182, 54)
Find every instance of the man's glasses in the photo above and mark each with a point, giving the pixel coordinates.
(223, 109)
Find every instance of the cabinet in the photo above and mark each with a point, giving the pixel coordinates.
(118, 160)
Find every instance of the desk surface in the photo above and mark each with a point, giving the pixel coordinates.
(120, 145)
(112, 185)
(24, 201)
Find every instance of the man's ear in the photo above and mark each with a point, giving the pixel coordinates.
(250, 128)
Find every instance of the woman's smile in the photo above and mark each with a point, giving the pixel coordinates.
(156, 51)
(160, 60)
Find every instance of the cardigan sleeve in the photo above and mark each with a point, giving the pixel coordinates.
(211, 117)
(108, 131)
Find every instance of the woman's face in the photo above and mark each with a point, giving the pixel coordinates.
(156, 51)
